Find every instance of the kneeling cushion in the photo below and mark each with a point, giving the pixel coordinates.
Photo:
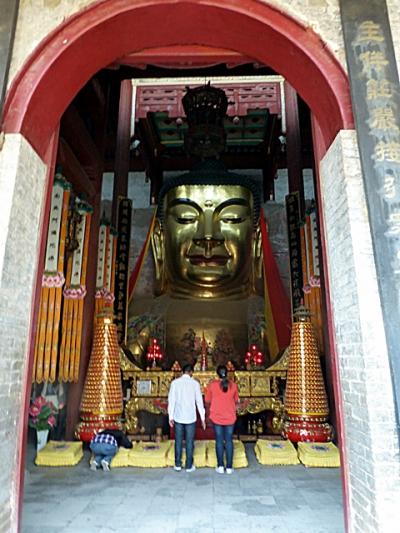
(276, 452)
(239, 454)
(199, 454)
(59, 453)
(149, 454)
(319, 454)
(121, 458)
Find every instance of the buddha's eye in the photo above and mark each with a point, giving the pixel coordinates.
(186, 219)
(183, 214)
(234, 214)
(232, 219)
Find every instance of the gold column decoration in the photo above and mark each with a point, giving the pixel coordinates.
(102, 402)
(46, 343)
(106, 261)
(74, 294)
(306, 403)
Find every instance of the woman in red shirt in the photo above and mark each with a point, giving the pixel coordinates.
(222, 395)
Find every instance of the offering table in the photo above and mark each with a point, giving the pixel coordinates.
(259, 390)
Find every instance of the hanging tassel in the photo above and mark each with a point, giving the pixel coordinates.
(45, 359)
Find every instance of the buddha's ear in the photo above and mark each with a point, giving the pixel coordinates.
(157, 245)
(258, 255)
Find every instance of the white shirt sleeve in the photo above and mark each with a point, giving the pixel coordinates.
(171, 401)
(199, 402)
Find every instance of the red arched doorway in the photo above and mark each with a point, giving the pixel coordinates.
(108, 29)
(87, 42)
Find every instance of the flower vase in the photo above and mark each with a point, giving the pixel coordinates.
(41, 438)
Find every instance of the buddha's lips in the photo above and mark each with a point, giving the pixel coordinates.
(215, 260)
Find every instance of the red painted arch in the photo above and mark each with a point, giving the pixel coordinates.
(95, 37)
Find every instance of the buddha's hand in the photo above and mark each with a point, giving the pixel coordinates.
(139, 344)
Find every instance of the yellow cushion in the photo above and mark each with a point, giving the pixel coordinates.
(121, 458)
(239, 454)
(60, 453)
(276, 452)
(199, 454)
(319, 454)
(149, 454)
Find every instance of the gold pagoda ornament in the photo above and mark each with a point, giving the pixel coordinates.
(102, 400)
(306, 403)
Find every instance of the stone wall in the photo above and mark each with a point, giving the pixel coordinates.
(22, 176)
(372, 449)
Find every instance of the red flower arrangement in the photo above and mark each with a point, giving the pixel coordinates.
(42, 414)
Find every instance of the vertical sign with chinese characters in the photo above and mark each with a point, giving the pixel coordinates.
(124, 220)
(376, 104)
(293, 224)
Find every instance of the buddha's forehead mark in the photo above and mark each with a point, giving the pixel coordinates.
(209, 203)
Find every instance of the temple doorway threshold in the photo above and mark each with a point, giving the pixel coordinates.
(284, 499)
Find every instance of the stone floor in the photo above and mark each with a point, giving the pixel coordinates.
(259, 498)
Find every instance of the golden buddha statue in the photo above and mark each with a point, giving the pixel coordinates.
(204, 239)
(207, 252)
(207, 247)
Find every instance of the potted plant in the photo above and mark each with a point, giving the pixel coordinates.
(42, 418)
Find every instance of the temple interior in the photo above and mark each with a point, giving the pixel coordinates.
(184, 228)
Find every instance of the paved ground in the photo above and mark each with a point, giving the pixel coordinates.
(263, 499)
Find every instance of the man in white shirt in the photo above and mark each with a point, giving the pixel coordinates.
(184, 395)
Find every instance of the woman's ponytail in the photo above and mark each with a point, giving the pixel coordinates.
(222, 372)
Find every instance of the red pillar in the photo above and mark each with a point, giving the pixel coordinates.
(123, 143)
(293, 144)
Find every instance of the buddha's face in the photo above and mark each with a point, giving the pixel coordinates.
(208, 240)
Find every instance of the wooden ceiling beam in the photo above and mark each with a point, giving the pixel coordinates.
(73, 170)
(75, 133)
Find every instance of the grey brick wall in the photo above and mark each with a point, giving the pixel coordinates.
(22, 176)
(371, 441)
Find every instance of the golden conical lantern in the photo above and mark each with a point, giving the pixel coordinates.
(102, 401)
(306, 403)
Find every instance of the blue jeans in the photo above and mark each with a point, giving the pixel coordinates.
(101, 451)
(223, 435)
(188, 430)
